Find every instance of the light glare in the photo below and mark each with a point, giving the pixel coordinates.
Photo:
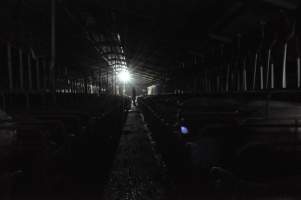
(124, 76)
(184, 130)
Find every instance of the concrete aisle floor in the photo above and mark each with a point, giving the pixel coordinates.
(137, 172)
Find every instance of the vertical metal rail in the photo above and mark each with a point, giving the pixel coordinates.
(107, 81)
(218, 88)
(261, 77)
(298, 62)
(53, 49)
(38, 74)
(238, 81)
(29, 72)
(99, 82)
(21, 69)
(10, 66)
(298, 72)
(112, 79)
(272, 76)
(228, 79)
(284, 83)
(255, 71)
(245, 88)
(232, 84)
(44, 64)
(268, 69)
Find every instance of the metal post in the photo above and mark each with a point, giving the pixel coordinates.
(238, 81)
(261, 77)
(112, 77)
(255, 71)
(21, 69)
(44, 75)
(245, 77)
(272, 76)
(284, 67)
(85, 83)
(38, 74)
(227, 78)
(10, 66)
(232, 84)
(218, 84)
(29, 72)
(268, 69)
(107, 81)
(115, 81)
(53, 48)
(99, 81)
(298, 72)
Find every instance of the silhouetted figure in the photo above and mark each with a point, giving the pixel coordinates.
(134, 96)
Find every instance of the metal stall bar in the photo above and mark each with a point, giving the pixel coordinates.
(10, 67)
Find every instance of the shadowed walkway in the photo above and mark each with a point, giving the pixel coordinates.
(137, 172)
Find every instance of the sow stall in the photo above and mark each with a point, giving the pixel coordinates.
(213, 136)
(48, 146)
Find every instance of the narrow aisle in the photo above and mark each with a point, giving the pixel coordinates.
(136, 173)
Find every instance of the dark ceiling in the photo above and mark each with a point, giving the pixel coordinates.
(157, 36)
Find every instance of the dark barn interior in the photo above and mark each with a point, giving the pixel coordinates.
(150, 99)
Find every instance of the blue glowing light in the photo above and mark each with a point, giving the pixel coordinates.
(184, 130)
